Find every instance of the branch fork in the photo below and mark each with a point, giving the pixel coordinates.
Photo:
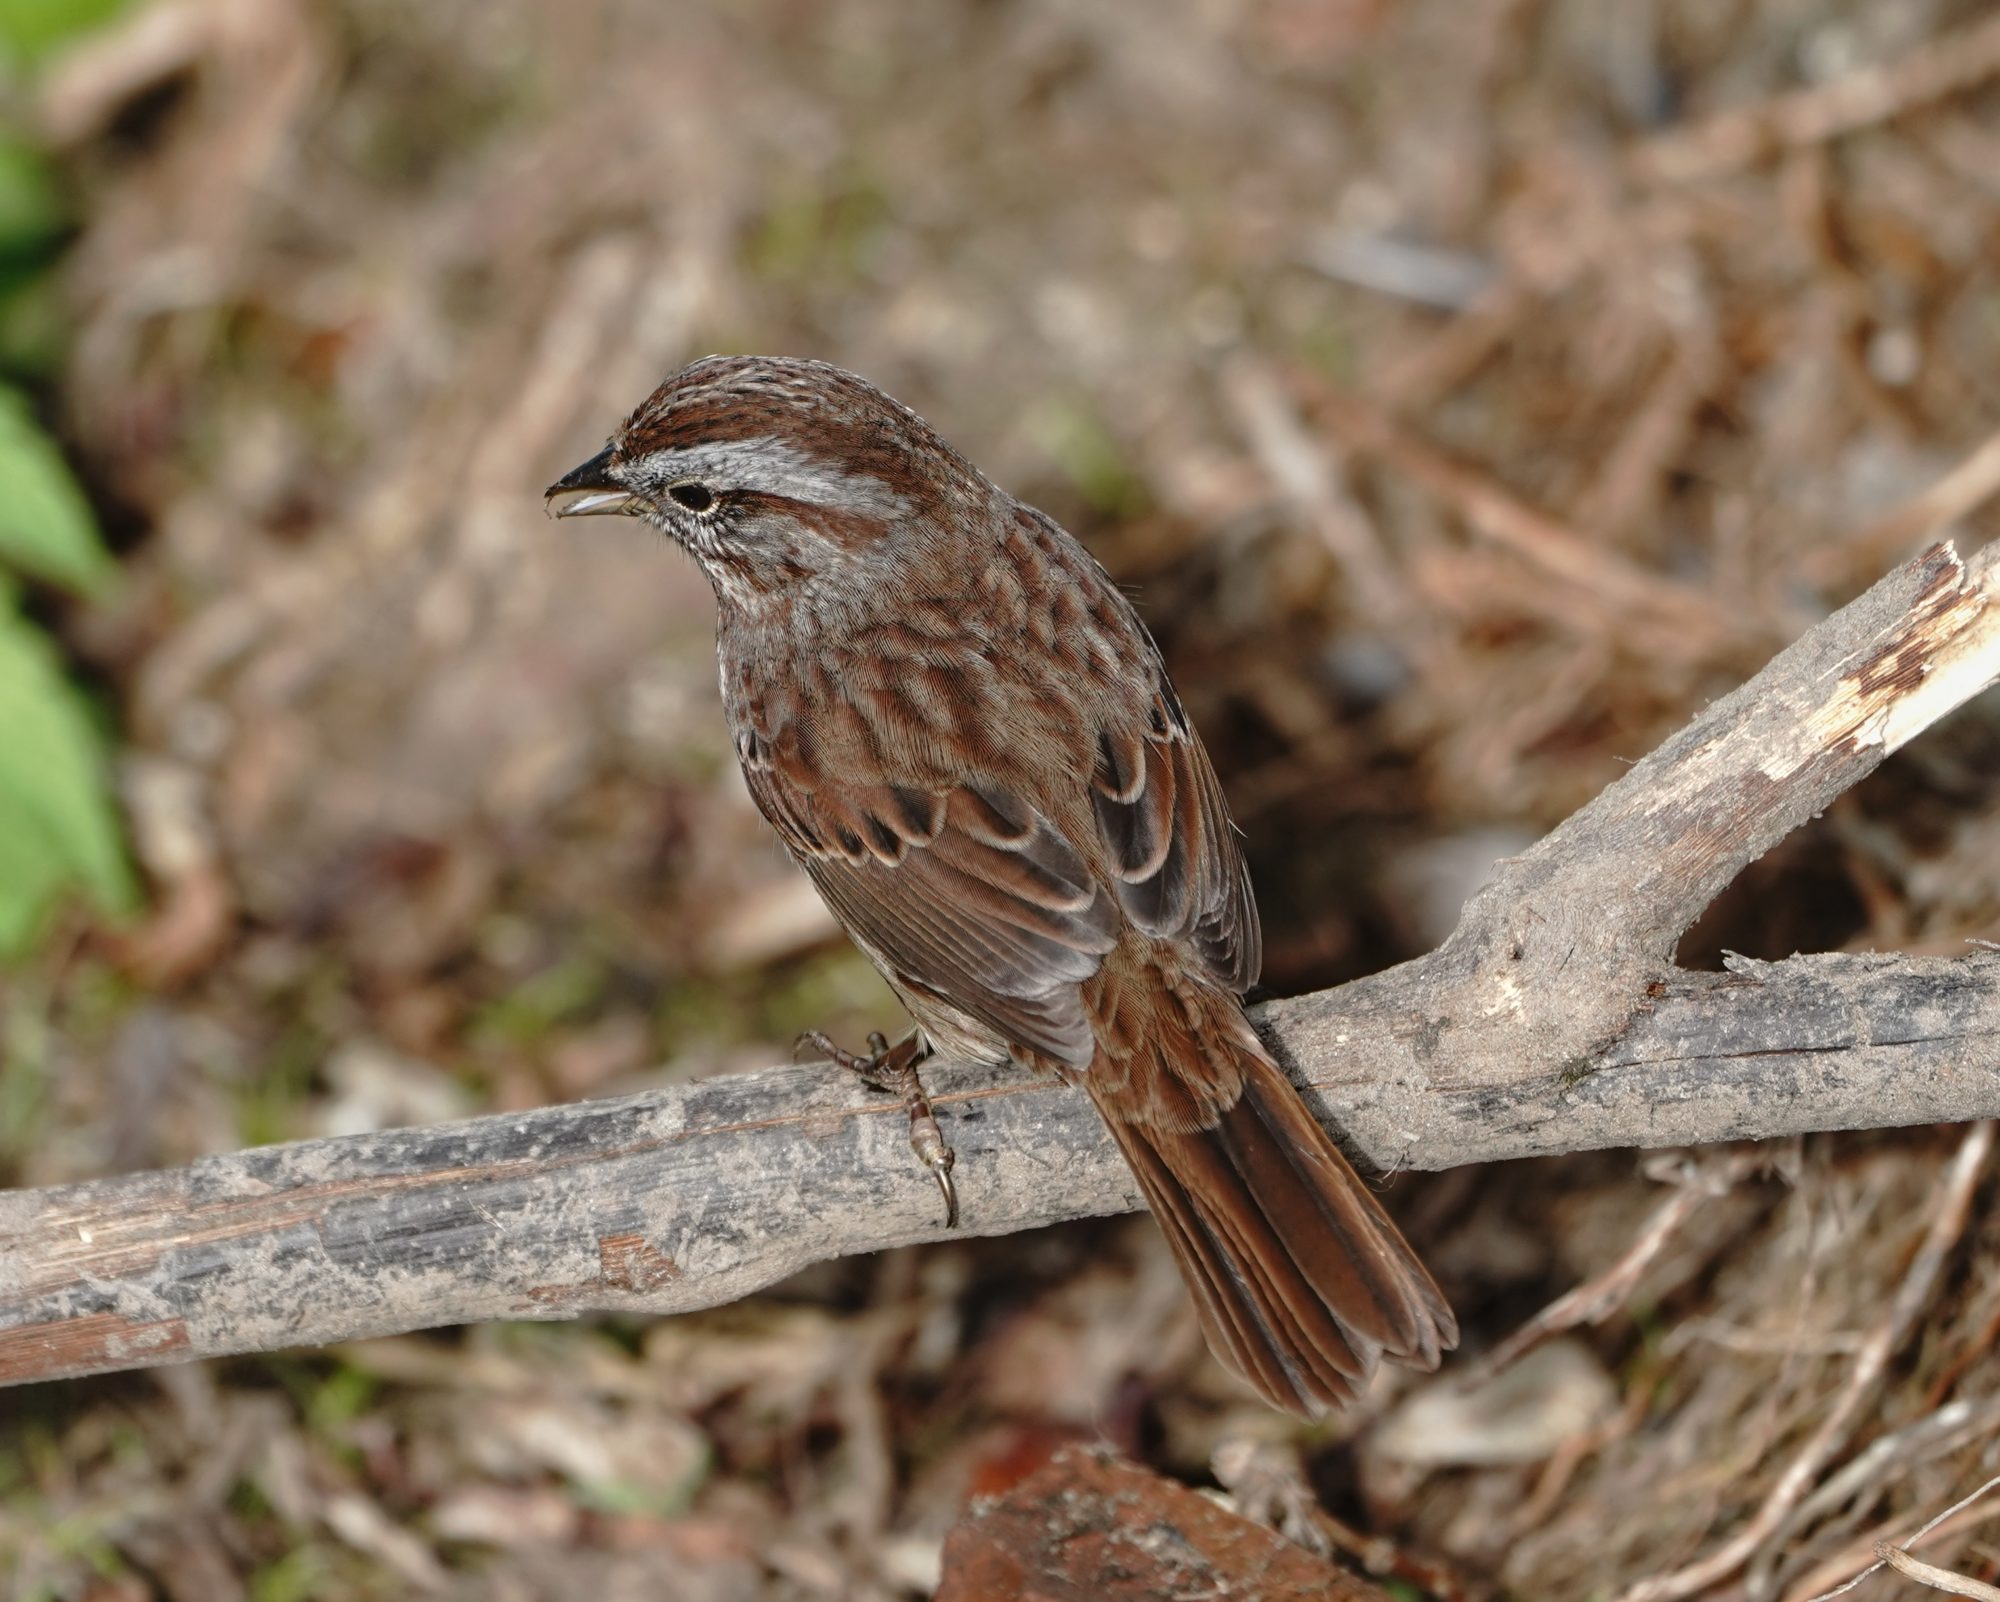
(1552, 1020)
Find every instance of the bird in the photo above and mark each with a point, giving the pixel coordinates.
(962, 731)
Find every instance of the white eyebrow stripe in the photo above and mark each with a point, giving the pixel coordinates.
(774, 467)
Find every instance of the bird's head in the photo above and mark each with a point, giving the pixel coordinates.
(774, 472)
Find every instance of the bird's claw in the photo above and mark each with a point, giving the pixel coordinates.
(933, 1151)
(893, 1070)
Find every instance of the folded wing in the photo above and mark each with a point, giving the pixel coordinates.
(967, 892)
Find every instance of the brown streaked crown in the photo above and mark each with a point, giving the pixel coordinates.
(813, 406)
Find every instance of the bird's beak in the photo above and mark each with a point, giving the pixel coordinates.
(601, 496)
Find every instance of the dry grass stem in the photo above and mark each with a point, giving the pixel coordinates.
(1598, 1297)
(1305, 476)
(1941, 1233)
(1948, 64)
(1936, 1578)
(1663, 330)
(1950, 1519)
(1495, 512)
(1959, 493)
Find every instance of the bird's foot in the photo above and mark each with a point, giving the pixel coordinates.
(893, 1070)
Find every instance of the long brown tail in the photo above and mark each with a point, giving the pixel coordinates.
(1302, 1282)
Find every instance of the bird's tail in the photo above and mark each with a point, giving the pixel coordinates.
(1302, 1282)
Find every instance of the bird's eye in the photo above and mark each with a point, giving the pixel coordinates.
(695, 497)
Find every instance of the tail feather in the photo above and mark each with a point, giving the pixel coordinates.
(1236, 1331)
(1302, 1283)
(1413, 1322)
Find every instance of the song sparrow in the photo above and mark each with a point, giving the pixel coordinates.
(963, 733)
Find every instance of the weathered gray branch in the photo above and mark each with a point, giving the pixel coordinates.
(1551, 1021)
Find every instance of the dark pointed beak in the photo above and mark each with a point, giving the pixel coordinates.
(601, 495)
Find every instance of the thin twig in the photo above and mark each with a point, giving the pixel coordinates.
(1947, 1223)
(1924, 1440)
(1415, 381)
(1622, 493)
(1598, 1297)
(1938, 1579)
(1945, 64)
(1842, 1563)
(1951, 1512)
(1497, 513)
(1960, 492)
(1300, 467)
(1761, 1343)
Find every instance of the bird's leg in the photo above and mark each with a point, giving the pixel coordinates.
(893, 1070)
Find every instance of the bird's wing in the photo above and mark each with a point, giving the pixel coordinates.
(973, 891)
(966, 892)
(1169, 843)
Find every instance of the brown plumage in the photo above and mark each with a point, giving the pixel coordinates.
(961, 730)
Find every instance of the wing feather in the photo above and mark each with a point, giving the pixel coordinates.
(967, 893)
(975, 893)
(1169, 844)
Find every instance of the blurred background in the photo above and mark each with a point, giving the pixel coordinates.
(1471, 389)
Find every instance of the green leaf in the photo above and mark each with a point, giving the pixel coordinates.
(31, 28)
(45, 524)
(31, 207)
(58, 829)
(31, 324)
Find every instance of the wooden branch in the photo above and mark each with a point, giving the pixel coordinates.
(1551, 1021)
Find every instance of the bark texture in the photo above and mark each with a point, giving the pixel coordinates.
(1552, 1020)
